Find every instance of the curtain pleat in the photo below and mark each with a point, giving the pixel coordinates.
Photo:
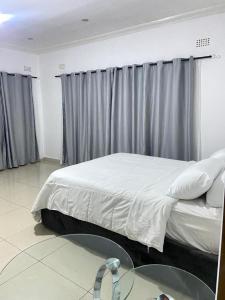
(86, 115)
(146, 110)
(2, 133)
(18, 142)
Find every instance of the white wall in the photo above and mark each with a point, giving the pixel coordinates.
(163, 42)
(13, 62)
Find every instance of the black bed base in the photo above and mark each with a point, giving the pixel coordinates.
(201, 264)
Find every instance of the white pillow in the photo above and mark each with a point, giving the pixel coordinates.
(215, 195)
(196, 180)
(219, 154)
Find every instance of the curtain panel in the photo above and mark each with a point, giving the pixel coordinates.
(86, 115)
(18, 142)
(146, 109)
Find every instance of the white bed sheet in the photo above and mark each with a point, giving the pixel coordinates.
(196, 224)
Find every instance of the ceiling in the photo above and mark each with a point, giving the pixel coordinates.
(57, 23)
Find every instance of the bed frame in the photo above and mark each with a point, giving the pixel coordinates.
(197, 262)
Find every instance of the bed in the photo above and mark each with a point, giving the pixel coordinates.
(123, 196)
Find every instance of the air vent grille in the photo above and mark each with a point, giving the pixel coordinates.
(62, 66)
(27, 68)
(204, 42)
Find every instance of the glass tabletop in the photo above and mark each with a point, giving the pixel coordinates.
(65, 268)
(151, 281)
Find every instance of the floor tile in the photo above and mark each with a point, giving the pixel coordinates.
(18, 190)
(76, 263)
(15, 221)
(30, 236)
(13, 191)
(6, 207)
(33, 178)
(45, 248)
(7, 253)
(25, 196)
(7, 178)
(18, 264)
(39, 282)
(87, 296)
(35, 175)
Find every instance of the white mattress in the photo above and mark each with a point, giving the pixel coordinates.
(196, 224)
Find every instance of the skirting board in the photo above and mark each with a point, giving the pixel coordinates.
(50, 160)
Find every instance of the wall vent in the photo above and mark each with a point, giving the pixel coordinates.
(62, 66)
(27, 69)
(204, 42)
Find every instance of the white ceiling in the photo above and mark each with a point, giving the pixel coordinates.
(57, 23)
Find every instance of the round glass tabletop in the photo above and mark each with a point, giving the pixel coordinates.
(65, 268)
(161, 282)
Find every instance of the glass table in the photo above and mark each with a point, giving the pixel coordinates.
(89, 267)
(161, 282)
(69, 267)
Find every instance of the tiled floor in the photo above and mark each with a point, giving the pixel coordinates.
(18, 232)
(42, 271)
(18, 189)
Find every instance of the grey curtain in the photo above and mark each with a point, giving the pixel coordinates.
(86, 115)
(18, 142)
(146, 109)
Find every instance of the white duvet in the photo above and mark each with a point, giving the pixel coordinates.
(124, 193)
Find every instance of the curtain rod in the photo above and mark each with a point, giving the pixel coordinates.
(23, 75)
(152, 64)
